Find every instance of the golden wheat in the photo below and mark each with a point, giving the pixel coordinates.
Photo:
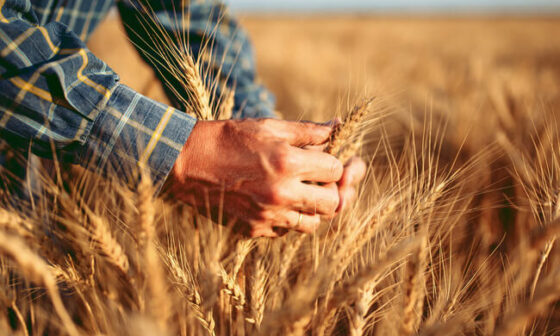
(447, 236)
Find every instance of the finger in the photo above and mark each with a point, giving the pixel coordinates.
(314, 166)
(300, 134)
(316, 148)
(347, 196)
(317, 199)
(263, 231)
(291, 220)
(354, 172)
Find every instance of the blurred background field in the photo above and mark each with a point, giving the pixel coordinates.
(312, 62)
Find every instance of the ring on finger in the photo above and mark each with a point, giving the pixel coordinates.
(300, 220)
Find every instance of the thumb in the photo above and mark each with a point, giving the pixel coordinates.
(303, 133)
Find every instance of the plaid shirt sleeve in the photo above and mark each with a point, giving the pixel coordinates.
(231, 62)
(55, 94)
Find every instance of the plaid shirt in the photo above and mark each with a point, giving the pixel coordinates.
(57, 98)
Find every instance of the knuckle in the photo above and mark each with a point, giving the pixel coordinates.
(258, 228)
(282, 159)
(275, 195)
(316, 221)
(312, 225)
(332, 202)
(336, 169)
(255, 234)
(266, 215)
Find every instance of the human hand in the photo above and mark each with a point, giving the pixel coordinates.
(257, 172)
(354, 172)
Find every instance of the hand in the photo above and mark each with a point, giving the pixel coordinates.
(354, 172)
(257, 172)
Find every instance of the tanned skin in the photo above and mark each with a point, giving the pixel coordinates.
(262, 173)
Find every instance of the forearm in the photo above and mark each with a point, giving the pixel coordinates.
(59, 100)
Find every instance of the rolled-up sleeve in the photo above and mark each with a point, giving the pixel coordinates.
(135, 132)
(58, 99)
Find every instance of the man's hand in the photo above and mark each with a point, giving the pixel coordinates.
(257, 172)
(354, 172)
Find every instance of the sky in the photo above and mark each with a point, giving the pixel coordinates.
(543, 6)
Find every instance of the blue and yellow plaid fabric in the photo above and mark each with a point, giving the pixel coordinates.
(57, 98)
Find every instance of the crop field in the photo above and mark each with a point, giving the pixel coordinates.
(453, 231)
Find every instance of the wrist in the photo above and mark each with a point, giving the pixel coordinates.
(197, 158)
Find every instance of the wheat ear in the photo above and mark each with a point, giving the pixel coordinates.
(351, 150)
(349, 290)
(194, 301)
(105, 243)
(178, 59)
(11, 222)
(229, 281)
(158, 302)
(358, 319)
(191, 81)
(232, 289)
(413, 297)
(342, 132)
(258, 292)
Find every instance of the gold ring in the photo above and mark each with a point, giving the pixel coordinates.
(300, 219)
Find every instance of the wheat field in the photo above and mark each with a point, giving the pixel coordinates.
(452, 233)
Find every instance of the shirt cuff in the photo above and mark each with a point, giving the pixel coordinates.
(133, 134)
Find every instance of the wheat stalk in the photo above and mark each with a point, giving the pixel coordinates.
(177, 58)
